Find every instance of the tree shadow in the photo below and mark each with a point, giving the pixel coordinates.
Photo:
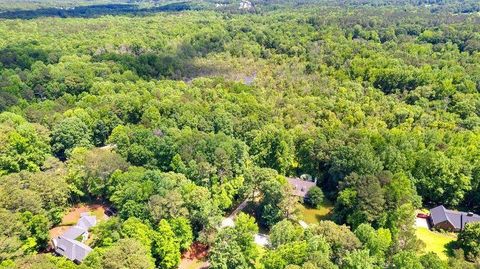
(96, 11)
(180, 64)
(451, 247)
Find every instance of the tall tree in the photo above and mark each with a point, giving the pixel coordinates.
(67, 134)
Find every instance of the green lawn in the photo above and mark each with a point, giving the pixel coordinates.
(313, 215)
(435, 241)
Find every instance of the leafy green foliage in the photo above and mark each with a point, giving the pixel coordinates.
(315, 197)
(70, 133)
(175, 118)
(23, 146)
(468, 240)
(166, 249)
(234, 247)
(359, 259)
(125, 253)
(406, 259)
(183, 232)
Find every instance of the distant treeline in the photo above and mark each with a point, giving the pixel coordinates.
(94, 11)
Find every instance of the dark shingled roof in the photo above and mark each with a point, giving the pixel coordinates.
(300, 186)
(457, 218)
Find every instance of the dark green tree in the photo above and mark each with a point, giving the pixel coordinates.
(67, 134)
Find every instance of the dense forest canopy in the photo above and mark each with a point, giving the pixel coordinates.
(174, 118)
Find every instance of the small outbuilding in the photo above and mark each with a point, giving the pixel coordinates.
(451, 220)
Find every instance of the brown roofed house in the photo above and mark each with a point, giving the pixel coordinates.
(451, 220)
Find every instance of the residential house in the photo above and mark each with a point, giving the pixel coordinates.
(301, 186)
(451, 220)
(71, 244)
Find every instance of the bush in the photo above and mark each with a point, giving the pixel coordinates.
(469, 239)
(315, 197)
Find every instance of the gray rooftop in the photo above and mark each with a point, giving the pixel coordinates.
(300, 186)
(67, 245)
(86, 221)
(457, 218)
(71, 248)
(74, 232)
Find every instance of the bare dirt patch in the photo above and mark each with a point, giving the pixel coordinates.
(72, 217)
(195, 257)
(57, 231)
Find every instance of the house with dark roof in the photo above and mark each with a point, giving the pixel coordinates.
(71, 244)
(451, 220)
(300, 186)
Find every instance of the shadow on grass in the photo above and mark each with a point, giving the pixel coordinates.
(451, 247)
(253, 209)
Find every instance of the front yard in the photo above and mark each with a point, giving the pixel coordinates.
(436, 242)
(314, 215)
(73, 215)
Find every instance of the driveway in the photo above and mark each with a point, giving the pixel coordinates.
(261, 239)
(421, 222)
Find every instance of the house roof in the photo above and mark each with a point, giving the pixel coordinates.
(86, 221)
(67, 246)
(71, 248)
(74, 232)
(300, 186)
(457, 218)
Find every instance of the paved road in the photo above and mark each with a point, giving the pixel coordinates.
(239, 208)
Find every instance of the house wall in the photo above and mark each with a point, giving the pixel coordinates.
(445, 225)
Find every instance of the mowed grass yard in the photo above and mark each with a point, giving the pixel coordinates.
(314, 215)
(435, 241)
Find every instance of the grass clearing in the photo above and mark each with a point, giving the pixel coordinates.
(436, 242)
(314, 215)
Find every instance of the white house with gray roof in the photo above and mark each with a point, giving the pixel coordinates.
(71, 243)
